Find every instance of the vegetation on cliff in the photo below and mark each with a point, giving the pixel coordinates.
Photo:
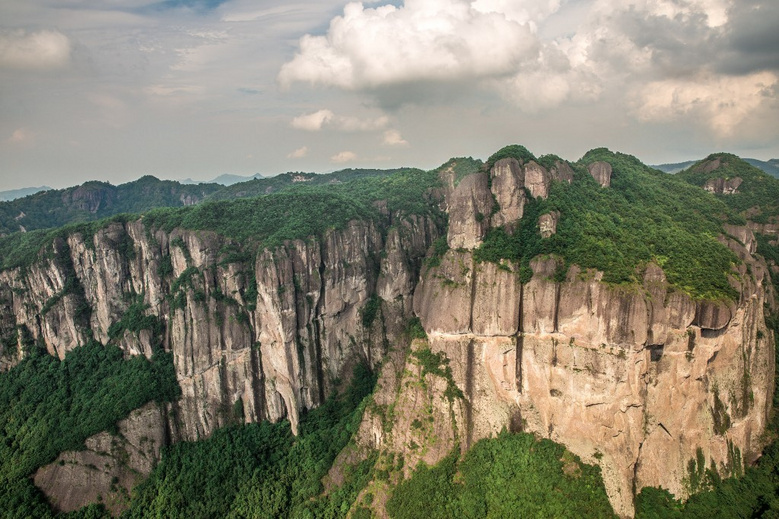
(645, 216)
(513, 475)
(260, 470)
(263, 221)
(48, 406)
(755, 198)
(96, 200)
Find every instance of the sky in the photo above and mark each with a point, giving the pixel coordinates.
(115, 89)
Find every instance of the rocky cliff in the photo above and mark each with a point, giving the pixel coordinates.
(639, 378)
(252, 339)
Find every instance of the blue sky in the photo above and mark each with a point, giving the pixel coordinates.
(116, 89)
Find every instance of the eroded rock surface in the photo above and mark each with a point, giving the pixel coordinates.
(723, 186)
(601, 172)
(110, 465)
(634, 379)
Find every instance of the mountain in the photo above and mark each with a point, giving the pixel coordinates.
(675, 167)
(771, 166)
(294, 180)
(13, 194)
(523, 337)
(228, 179)
(95, 200)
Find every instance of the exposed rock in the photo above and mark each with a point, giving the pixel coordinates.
(508, 187)
(110, 465)
(451, 282)
(496, 300)
(743, 234)
(722, 186)
(709, 166)
(712, 315)
(601, 172)
(632, 379)
(537, 180)
(562, 172)
(547, 223)
(90, 196)
(470, 205)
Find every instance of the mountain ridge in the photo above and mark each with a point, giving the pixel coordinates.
(522, 293)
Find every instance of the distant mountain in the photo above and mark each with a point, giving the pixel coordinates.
(95, 200)
(265, 186)
(675, 167)
(746, 189)
(771, 166)
(226, 179)
(13, 194)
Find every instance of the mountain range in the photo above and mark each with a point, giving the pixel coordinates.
(518, 337)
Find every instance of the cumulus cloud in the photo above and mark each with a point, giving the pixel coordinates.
(298, 153)
(40, 50)
(721, 102)
(312, 122)
(325, 118)
(414, 51)
(343, 156)
(441, 40)
(394, 138)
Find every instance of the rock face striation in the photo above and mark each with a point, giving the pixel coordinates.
(637, 380)
(252, 340)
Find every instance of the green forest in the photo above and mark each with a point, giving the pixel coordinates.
(645, 216)
(48, 406)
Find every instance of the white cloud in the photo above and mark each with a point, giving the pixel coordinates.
(45, 49)
(394, 138)
(520, 12)
(326, 119)
(343, 156)
(441, 40)
(312, 122)
(721, 102)
(298, 153)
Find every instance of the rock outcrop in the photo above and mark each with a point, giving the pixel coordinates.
(601, 172)
(635, 380)
(723, 186)
(110, 465)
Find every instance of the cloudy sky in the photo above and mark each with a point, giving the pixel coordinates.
(115, 89)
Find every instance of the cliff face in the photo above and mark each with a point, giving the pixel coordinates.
(251, 339)
(635, 380)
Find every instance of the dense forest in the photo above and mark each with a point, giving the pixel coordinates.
(48, 406)
(94, 200)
